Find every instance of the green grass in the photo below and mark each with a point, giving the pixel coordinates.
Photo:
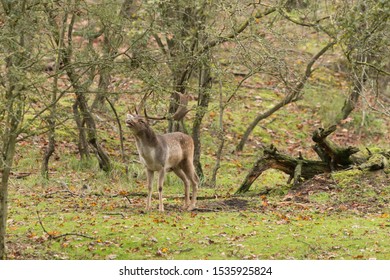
(117, 230)
(57, 219)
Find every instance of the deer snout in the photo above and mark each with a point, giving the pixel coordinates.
(129, 119)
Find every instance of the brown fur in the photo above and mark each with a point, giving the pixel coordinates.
(164, 153)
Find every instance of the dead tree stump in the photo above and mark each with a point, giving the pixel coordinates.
(337, 157)
(297, 168)
(332, 158)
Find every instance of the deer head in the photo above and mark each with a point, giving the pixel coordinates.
(137, 123)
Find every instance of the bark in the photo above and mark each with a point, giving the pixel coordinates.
(6, 169)
(54, 98)
(181, 76)
(333, 157)
(104, 82)
(203, 103)
(353, 98)
(50, 147)
(8, 152)
(221, 138)
(13, 98)
(297, 168)
(87, 118)
(82, 143)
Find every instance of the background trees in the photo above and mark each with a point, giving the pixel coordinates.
(77, 66)
(21, 86)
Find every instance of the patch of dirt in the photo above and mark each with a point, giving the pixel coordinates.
(230, 204)
(369, 193)
(236, 203)
(319, 183)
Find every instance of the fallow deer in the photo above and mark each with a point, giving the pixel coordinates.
(164, 153)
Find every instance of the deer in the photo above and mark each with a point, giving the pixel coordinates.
(163, 153)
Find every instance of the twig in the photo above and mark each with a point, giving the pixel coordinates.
(21, 175)
(114, 214)
(184, 250)
(314, 249)
(60, 191)
(301, 205)
(70, 234)
(52, 236)
(128, 199)
(207, 210)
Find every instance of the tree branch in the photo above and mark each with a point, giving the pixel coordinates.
(52, 236)
(259, 14)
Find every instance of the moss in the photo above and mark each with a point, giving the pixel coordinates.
(347, 178)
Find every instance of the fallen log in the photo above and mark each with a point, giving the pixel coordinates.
(337, 157)
(297, 168)
(332, 158)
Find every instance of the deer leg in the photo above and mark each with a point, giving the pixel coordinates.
(189, 169)
(180, 173)
(194, 183)
(150, 176)
(161, 178)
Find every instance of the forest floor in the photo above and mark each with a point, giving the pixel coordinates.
(325, 218)
(83, 213)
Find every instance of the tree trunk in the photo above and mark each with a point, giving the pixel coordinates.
(221, 138)
(254, 123)
(6, 164)
(203, 103)
(180, 80)
(82, 143)
(104, 82)
(16, 47)
(51, 121)
(87, 119)
(353, 98)
(335, 156)
(83, 116)
(49, 149)
(12, 120)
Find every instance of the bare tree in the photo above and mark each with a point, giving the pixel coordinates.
(80, 80)
(364, 29)
(20, 83)
(294, 94)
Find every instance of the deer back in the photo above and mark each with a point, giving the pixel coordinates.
(179, 147)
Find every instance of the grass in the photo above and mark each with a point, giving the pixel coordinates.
(110, 228)
(60, 220)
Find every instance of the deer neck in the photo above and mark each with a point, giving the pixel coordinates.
(147, 138)
(151, 150)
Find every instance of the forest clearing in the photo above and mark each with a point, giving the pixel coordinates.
(253, 83)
